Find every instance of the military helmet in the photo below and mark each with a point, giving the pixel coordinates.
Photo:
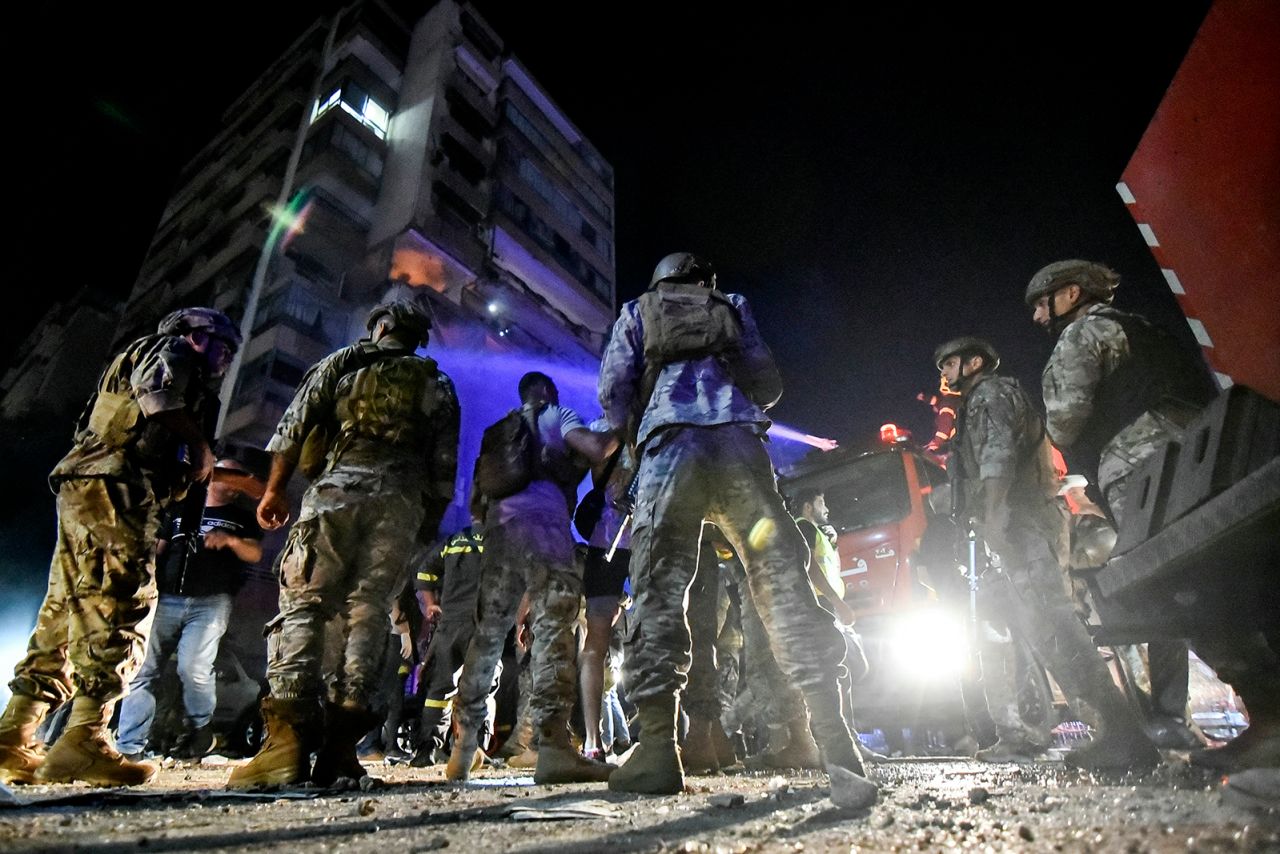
(684, 267)
(199, 319)
(1097, 280)
(408, 308)
(967, 345)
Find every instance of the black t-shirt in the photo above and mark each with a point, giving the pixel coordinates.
(206, 572)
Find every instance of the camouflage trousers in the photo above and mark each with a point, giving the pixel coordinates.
(347, 556)
(1041, 611)
(91, 630)
(723, 475)
(532, 553)
(774, 701)
(702, 698)
(1121, 458)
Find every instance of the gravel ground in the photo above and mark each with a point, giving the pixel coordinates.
(929, 805)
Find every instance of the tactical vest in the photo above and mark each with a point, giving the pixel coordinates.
(116, 419)
(682, 322)
(1159, 368)
(392, 402)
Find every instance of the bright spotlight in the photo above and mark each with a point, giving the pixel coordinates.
(930, 645)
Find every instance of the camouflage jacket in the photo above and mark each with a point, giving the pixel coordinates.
(701, 392)
(1000, 435)
(395, 418)
(1091, 348)
(115, 436)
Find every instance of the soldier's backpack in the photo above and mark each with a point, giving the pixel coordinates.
(682, 321)
(687, 321)
(510, 455)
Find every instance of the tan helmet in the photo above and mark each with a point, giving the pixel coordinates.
(199, 319)
(1097, 280)
(407, 307)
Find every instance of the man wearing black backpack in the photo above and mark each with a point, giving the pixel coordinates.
(687, 378)
(529, 471)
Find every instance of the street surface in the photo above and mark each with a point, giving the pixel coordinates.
(928, 804)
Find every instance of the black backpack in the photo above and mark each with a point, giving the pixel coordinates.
(510, 456)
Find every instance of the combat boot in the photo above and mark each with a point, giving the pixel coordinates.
(800, 751)
(285, 756)
(698, 753)
(559, 762)
(195, 742)
(519, 749)
(344, 726)
(19, 754)
(1122, 746)
(654, 765)
(84, 753)
(466, 758)
(726, 756)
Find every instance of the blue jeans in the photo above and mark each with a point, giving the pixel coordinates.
(193, 626)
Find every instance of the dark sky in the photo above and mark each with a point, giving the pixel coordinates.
(874, 182)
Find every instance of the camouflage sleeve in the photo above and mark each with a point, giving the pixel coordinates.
(755, 371)
(995, 419)
(162, 376)
(313, 402)
(443, 464)
(621, 367)
(1070, 380)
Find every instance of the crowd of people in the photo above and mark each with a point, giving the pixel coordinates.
(715, 608)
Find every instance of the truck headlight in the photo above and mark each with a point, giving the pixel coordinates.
(929, 645)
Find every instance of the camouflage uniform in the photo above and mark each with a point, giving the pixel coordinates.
(703, 458)
(389, 476)
(528, 547)
(112, 487)
(1092, 348)
(999, 435)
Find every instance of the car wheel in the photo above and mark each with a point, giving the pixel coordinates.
(246, 735)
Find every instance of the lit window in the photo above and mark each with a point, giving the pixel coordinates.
(376, 116)
(323, 107)
(356, 102)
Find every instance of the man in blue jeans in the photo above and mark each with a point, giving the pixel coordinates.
(197, 587)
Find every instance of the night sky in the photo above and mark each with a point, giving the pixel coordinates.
(874, 182)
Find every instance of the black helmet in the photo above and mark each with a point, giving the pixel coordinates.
(684, 267)
(407, 307)
(1097, 280)
(967, 345)
(198, 319)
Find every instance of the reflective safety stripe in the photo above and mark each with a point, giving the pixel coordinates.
(458, 550)
(426, 576)
(435, 704)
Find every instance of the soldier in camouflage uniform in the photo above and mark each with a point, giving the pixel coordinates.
(529, 548)
(1116, 389)
(125, 469)
(687, 377)
(1001, 469)
(386, 479)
